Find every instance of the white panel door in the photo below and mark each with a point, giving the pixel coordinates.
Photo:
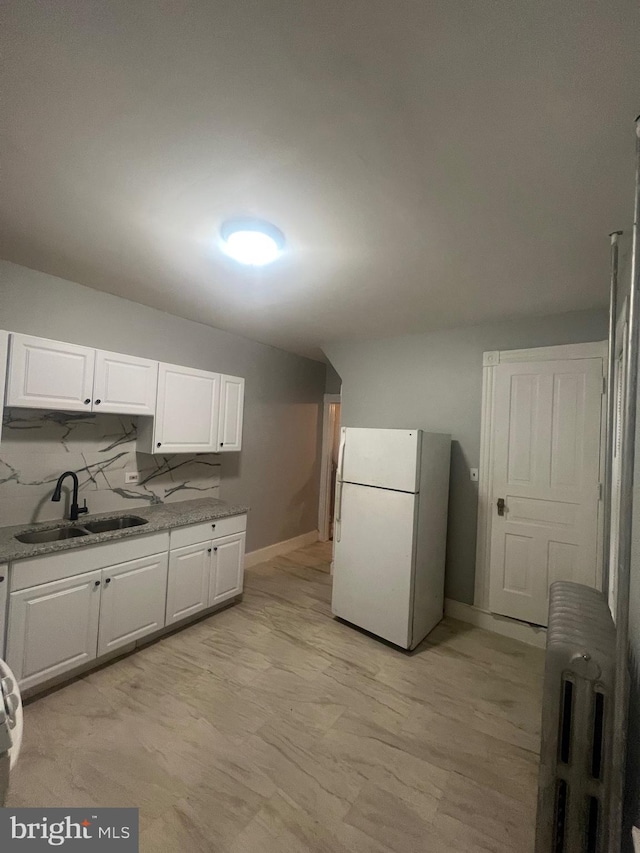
(387, 458)
(134, 596)
(124, 384)
(231, 411)
(188, 584)
(53, 627)
(49, 374)
(373, 561)
(4, 586)
(546, 458)
(187, 410)
(227, 568)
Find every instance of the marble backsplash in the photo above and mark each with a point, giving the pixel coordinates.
(37, 446)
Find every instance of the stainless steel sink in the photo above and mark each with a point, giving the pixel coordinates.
(57, 534)
(119, 523)
(54, 534)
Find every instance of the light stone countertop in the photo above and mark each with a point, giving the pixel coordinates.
(158, 517)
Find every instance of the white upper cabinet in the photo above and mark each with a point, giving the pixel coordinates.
(185, 410)
(231, 411)
(186, 418)
(124, 384)
(49, 374)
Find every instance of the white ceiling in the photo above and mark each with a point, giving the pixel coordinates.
(431, 162)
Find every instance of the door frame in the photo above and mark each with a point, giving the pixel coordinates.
(324, 502)
(490, 360)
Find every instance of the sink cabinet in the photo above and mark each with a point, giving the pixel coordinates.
(53, 628)
(71, 607)
(47, 374)
(132, 601)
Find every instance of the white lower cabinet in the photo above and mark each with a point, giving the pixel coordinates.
(53, 627)
(204, 574)
(227, 568)
(4, 586)
(132, 602)
(188, 585)
(64, 610)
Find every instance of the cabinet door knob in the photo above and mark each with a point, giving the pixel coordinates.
(97, 583)
(98, 402)
(208, 550)
(222, 444)
(213, 527)
(1, 578)
(216, 548)
(108, 580)
(87, 401)
(159, 444)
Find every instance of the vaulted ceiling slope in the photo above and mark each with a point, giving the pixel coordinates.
(431, 164)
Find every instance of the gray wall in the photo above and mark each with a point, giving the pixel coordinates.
(277, 470)
(434, 381)
(333, 382)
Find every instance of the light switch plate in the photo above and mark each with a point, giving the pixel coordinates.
(131, 477)
(473, 473)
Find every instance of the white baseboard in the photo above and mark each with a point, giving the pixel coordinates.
(278, 548)
(512, 628)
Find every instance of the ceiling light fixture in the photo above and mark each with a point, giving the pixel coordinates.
(251, 241)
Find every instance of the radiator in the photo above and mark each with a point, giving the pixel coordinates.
(575, 753)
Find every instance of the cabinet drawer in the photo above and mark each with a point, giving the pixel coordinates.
(52, 567)
(183, 536)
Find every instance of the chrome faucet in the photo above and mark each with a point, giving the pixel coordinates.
(75, 509)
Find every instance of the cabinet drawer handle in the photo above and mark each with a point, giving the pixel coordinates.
(98, 402)
(87, 401)
(96, 583)
(108, 580)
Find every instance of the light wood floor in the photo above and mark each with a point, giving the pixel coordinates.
(272, 728)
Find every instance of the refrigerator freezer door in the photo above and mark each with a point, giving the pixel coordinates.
(373, 562)
(387, 458)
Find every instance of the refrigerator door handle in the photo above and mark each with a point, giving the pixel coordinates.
(343, 441)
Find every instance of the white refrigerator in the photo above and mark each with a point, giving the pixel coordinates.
(390, 531)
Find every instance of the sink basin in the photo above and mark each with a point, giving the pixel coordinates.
(55, 534)
(120, 523)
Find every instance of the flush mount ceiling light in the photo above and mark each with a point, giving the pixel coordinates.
(251, 241)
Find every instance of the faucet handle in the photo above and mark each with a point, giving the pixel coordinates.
(84, 507)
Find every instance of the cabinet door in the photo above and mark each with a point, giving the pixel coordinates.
(188, 585)
(187, 410)
(49, 374)
(4, 586)
(4, 355)
(231, 410)
(133, 602)
(124, 384)
(227, 568)
(53, 627)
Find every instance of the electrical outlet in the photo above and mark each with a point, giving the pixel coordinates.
(131, 477)
(473, 473)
